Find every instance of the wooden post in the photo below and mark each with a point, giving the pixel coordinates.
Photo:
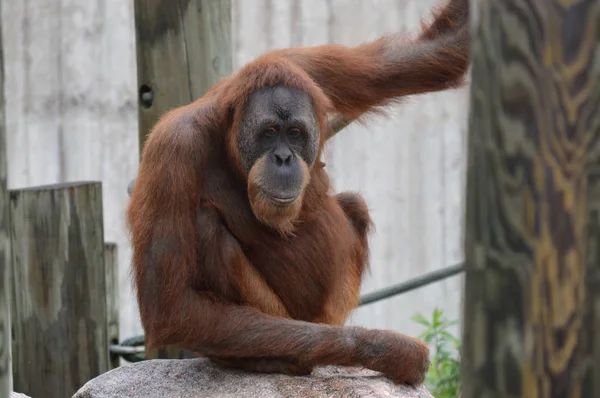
(5, 345)
(183, 49)
(59, 288)
(532, 304)
(111, 265)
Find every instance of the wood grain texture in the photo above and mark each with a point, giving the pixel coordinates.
(111, 267)
(532, 313)
(183, 49)
(5, 344)
(59, 320)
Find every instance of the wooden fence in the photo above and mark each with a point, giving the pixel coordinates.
(5, 368)
(59, 296)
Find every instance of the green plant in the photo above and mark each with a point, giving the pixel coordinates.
(443, 378)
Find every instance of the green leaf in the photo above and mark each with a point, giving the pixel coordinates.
(420, 319)
(443, 378)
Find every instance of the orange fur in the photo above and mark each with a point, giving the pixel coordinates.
(212, 270)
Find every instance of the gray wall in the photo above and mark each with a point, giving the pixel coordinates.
(71, 115)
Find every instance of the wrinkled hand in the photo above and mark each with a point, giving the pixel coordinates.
(401, 358)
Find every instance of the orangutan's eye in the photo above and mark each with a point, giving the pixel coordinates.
(295, 132)
(270, 132)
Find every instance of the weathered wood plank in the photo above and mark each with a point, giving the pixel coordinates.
(5, 345)
(59, 288)
(183, 49)
(532, 312)
(591, 341)
(111, 265)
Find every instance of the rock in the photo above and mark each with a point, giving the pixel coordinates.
(164, 378)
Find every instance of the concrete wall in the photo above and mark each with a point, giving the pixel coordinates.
(71, 115)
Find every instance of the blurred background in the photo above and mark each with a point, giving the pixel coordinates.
(71, 111)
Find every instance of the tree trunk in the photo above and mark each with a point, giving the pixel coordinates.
(532, 303)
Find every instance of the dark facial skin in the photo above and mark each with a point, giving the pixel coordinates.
(279, 129)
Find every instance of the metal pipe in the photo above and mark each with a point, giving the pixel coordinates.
(411, 284)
